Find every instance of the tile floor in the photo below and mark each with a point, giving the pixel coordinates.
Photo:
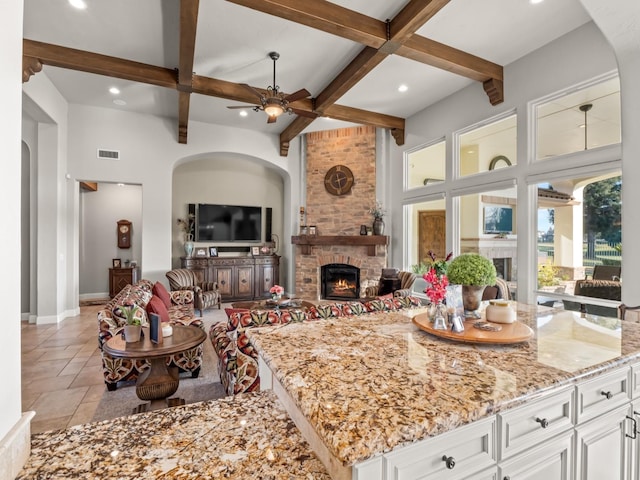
(62, 377)
(61, 371)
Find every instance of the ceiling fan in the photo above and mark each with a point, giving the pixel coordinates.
(275, 103)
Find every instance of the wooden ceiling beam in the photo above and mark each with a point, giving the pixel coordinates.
(188, 25)
(36, 54)
(331, 18)
(325, 16)
(89, 62)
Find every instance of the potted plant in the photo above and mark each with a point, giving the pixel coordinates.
(133, 327)
(473, 272)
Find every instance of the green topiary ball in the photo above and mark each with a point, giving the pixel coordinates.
(471, 269)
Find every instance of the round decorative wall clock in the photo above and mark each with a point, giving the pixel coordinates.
(338, 180)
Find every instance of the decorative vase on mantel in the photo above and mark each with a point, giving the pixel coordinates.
(378, 226)
(188, 244)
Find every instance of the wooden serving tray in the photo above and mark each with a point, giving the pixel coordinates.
(515, 332)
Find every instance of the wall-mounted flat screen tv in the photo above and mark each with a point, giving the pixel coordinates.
(498, 220)
(228, 223)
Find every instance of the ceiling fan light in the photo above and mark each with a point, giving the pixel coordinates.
(274, 110)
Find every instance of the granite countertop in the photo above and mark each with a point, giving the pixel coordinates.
(371, 383)
(247, 436)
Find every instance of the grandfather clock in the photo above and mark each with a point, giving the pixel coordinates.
(124, 234)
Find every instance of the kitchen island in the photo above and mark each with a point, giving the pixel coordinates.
(371, 393)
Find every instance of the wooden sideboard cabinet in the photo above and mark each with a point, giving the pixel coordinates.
(120, 278)
(238, 278)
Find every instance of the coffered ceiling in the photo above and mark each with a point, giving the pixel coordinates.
(351, 55)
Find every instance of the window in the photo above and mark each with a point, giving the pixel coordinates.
(488, 227)
(425, 166)
(489, 147)
(582, 120)
(579, 231)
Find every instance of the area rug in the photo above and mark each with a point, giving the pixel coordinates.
(207, 386)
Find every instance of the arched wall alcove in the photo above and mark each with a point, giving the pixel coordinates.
(229, 178)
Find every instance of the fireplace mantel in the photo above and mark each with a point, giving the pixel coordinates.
(370, 241)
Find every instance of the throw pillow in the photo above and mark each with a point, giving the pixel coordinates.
(160, 291)
(156, 305)
(231, 311)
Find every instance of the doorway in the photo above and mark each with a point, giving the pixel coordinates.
(432, 226)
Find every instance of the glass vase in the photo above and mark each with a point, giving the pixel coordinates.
(440, 317)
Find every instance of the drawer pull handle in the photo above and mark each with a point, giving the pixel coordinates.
(544, 423)
(635, 428)
(450, 462)
(608, 395)
(223, 282)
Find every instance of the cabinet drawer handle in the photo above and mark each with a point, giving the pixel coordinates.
(267, 280)
(609, 395)
(223, 282)
(244, 281)
(450, 462)
(544, 423)
(635, 428)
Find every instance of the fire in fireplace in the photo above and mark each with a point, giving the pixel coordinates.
(340, 281)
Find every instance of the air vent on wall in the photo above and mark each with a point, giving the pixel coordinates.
(109, 154)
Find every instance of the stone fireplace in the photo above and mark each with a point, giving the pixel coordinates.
(339, 281)
(337, 218)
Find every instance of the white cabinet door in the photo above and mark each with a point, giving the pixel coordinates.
(602, 447)
(552, 460)
(634, 443)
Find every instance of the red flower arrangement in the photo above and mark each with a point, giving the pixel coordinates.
(438, 285)
(276, 290)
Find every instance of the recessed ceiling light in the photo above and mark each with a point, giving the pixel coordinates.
(533, 2)
(119, 101)
(243, 113)
(120, 184)
(79, 4)
(581, 126)
(403, 88)
(114, 90)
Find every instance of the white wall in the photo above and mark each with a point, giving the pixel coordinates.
(10, 122)
(558, 65)
(99, 214)
(149, 153)
(44, 105)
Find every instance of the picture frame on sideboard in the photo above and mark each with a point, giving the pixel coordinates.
(200, 252)
(255, 251)
(213, 251)
(117, 263)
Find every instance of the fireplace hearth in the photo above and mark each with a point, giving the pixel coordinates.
(340, 281)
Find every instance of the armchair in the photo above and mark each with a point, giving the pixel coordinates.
(206, 294)
(393, 281)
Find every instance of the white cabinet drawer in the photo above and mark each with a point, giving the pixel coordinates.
(455, 455)
(601, 394)
(535, 422)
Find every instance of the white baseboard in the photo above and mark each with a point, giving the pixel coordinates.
(92, 296)
(15, 447)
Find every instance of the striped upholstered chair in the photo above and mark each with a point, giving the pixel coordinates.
(206, 294)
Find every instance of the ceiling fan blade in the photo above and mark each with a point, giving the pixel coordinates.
(245, 106)
(304, 113)
(302, 93)
(252, 90)
(271, 119)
